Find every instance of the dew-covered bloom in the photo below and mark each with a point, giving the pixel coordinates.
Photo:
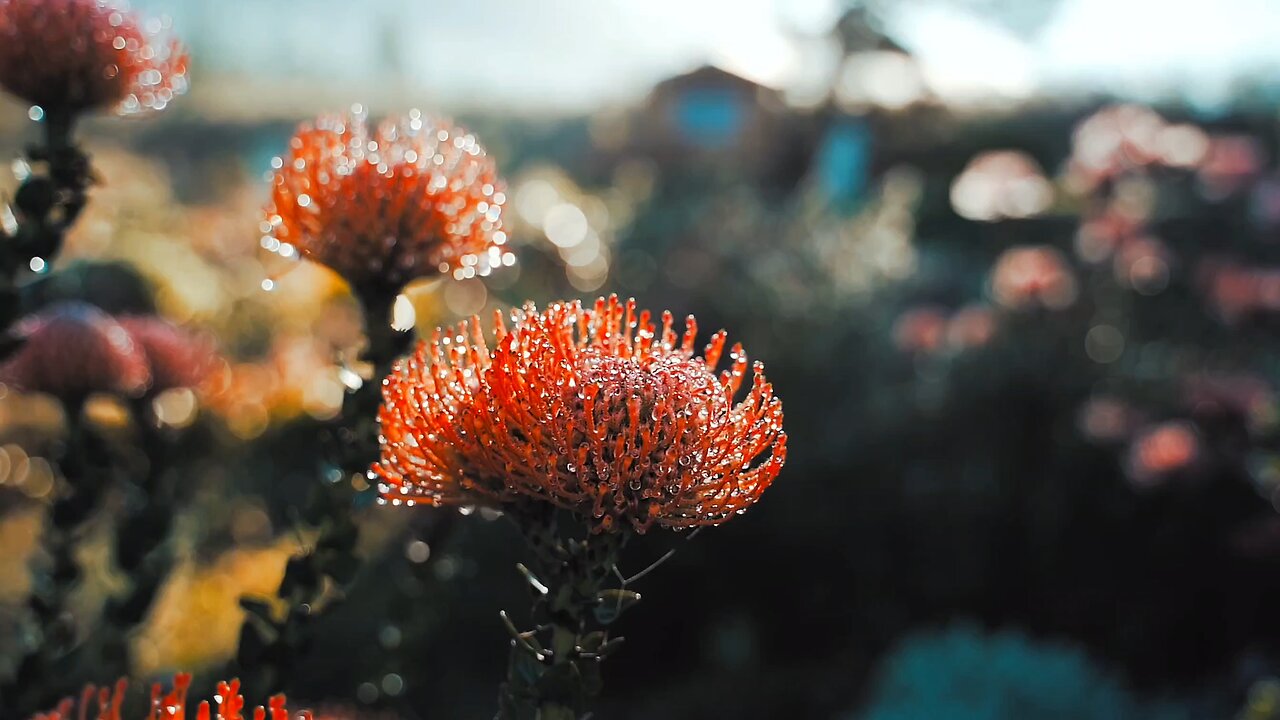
(595, 410)
(73, 349)
(382, 206)
(177, 357)
(228, 704)
(69, 56)
(1029, 276)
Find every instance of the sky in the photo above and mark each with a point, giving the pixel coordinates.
(574, 55)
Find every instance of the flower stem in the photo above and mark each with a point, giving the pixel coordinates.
(85, 466)
(558, 683)
(271, 650)
(44, 208)
(143, 539)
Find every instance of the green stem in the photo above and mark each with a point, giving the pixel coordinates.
(270, 650)
(561, 683)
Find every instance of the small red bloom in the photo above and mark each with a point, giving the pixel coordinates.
(593, 410)
(1161, 450)
(177, 357)
(75, 55)
(414, 197)
(106, 704)
(73, 349)
(1027, 276)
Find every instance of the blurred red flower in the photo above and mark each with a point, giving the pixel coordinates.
(68, 56)
(106, 704)
(593, 410)
(71, 350)
(413, 197)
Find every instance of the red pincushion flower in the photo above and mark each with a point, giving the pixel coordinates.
(414, 197)
(107, 704)
(73, 349)
(74, 55)
(592, 410)
(178, 358)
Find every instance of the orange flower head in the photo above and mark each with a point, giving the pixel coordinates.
(413, 197)
(594, 410)
(73, 349)
(74, 55)
(106, 704)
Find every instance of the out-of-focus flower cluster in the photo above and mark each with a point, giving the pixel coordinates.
(930, 329)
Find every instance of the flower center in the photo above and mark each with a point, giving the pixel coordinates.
(640, 427)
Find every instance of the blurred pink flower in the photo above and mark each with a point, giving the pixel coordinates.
(1231, 163)
(1235, 291)
(1099, 237)
(971, 326)
(920, 330)
(1027, 276)
(1113, 140)
(1142, 263)
(178, 358)
(71, 350)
